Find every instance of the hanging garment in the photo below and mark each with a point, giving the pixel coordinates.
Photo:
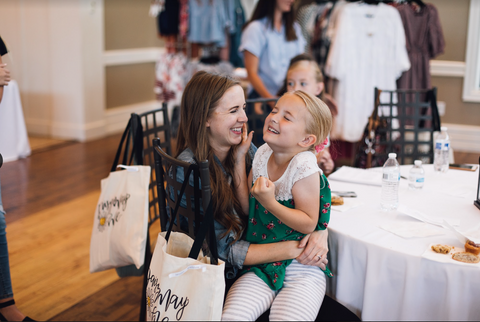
(168, 19)
(368, 51)
(320, 42)
(236, 36)
(183, 24)
(209, 20)
(425, 40)
(307, 16)
(170, 73)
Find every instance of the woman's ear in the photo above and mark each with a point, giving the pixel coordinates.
(308, 140)
(319, 89)
(207, 124)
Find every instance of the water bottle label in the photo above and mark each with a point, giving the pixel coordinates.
(420, 180)
(392, 177)
(442, 146)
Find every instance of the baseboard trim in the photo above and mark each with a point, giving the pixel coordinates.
(464, 138)
(116, 118)
(132, 56)
(447, 68)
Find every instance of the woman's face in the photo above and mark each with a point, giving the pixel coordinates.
(225, 123)
(302, 77)
(284, 5)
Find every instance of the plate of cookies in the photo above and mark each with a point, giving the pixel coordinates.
(470, 255)
(342, 204)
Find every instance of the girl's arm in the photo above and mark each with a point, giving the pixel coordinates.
(304, 217)
(251, 65)
(240, 180)
(316, 244)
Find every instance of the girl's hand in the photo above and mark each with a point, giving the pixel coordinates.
(316, 249)
(243, 147)
(325, 161)
(264, 191)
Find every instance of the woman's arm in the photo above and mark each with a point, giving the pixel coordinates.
(304, 217)
(274, 252)
(251, 65)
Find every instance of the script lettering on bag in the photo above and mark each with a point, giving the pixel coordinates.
(110, 211)
(154, 294)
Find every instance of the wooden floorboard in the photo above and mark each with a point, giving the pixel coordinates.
(55, 176)
(119, 301)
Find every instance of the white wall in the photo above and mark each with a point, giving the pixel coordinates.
(56, 50)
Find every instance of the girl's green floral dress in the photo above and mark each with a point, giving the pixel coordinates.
(263, 227)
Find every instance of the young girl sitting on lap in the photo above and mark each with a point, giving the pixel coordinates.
(290, 197)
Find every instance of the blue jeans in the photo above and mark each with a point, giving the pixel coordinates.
(5, 280)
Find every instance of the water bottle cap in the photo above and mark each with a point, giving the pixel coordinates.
(444, 128)
(418, 162)
(392, 155)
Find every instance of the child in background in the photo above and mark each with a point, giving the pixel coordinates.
(304, 74)
(290, 197)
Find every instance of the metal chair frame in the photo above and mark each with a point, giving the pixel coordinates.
(418, 119)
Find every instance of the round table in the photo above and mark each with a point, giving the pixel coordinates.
(382, 276)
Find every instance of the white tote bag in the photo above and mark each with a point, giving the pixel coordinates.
(120, 224)
(184, 285)
(181, 288)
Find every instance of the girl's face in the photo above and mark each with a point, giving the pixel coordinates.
(285, 126)
(224, 125)
(302, 77)
(284, 5)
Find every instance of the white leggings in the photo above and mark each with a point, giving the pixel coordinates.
(299, 299)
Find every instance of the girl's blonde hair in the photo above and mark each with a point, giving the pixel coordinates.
(320, 122)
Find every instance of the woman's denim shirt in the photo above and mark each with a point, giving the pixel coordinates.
(232, 253)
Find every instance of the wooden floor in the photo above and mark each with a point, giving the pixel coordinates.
(50, 199)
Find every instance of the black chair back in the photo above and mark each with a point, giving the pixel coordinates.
(194, 199)
(403, 121)
(193, 187)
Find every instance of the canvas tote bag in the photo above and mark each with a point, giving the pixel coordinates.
(120, 223)
(184, 285)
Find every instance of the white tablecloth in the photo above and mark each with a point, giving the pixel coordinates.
(13, 133)
(381, 276)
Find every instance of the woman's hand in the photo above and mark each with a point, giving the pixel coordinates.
(4, 75)
(316, 249)
(243, 147)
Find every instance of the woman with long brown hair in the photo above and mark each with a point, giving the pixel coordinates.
(213, 127)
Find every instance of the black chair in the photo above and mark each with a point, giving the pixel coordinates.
(256, 121)
(136, 148)
(196, 195)
(403, 122)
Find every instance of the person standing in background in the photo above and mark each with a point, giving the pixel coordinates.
(8, 309)
(269, 40)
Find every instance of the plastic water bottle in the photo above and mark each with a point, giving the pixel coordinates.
(442, 149)
(390, 183)
(416, 177)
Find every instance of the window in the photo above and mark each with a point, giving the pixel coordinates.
(471, 82)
